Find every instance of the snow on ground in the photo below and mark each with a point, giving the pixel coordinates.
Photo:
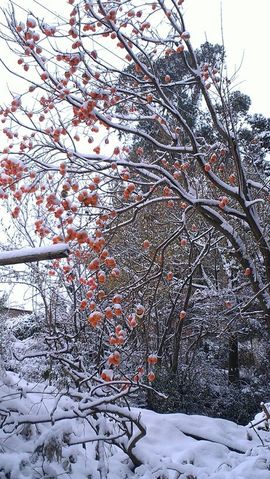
(175, 445)
(225, 450)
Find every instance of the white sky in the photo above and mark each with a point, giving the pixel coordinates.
(246, 38)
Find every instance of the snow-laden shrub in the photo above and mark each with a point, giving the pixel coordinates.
(47, 431)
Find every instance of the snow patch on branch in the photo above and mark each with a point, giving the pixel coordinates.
(27, 255)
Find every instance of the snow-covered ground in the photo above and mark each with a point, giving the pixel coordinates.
(175, 445)
(202, 447)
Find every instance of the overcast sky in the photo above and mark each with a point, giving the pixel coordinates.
(246, 37)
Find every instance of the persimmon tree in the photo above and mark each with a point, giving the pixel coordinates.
(69, 153)
(77, 96)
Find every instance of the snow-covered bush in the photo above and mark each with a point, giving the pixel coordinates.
(52, 428)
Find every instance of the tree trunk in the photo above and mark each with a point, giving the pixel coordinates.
(234, 376)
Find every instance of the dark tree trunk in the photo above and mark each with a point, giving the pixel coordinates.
(233, 359)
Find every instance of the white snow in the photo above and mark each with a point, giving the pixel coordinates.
(30, 254)
(175, 445)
